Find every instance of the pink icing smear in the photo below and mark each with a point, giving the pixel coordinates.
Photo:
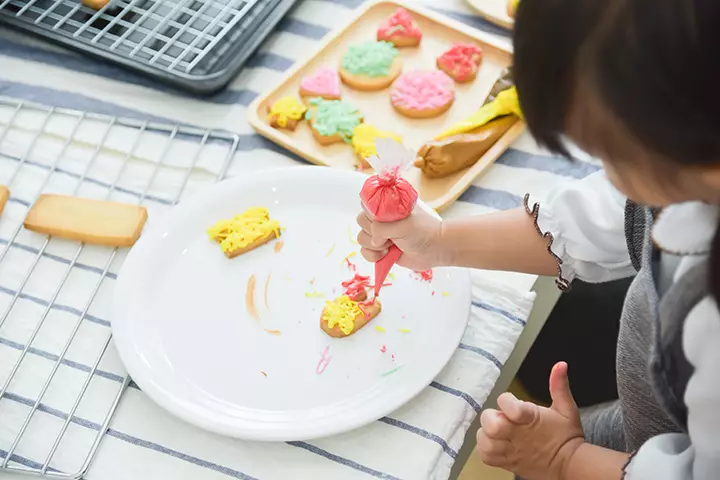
(422, 90)
(324, 81)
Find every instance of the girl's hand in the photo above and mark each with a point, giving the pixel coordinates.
(418, 236)
(533, 442)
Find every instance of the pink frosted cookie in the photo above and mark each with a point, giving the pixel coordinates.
(422, 94)
(323, 82)
(400, 29)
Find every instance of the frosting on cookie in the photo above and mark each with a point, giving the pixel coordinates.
(342, 312)
(334, 117)
(243, 229)
(369, 59)
(324, 82)
(363, 140)
(287, 108)
(422, 90)
(462, 60)
(399, 23)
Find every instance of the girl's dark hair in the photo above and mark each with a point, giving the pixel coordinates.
(654, 64)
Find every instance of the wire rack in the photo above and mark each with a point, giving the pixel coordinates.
(77, 166)
(195, 44)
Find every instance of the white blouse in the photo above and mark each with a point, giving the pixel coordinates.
(586, 219)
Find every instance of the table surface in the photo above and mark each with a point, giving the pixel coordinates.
(34, 71)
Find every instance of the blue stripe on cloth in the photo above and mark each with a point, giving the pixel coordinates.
(389, 421)
(55, 306)
(482, 353)
(452, 391)
(68, 363)
(304, 29)
(496, 199)
(99, 68)
(546, 163)
(423, 433)
(341, 460)
(26, 462)
(491, 308)
(50, 256)
(18, 201)
(131, 439)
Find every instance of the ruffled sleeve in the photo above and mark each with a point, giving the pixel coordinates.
(583, 222)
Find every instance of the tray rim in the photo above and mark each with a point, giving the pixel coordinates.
(499, 21)
(290, 144)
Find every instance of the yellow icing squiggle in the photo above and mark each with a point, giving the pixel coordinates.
(243, 229)
(287, 108)
(342, 312)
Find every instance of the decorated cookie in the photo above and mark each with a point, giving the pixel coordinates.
(363, 142)
(370, 66)
(461, 62)
(286, 113)
(332, 121)
(324, 82)
(400, 29)
(422, 94)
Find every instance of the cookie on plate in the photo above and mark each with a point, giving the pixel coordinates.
(400, 29)
(461, 62)
(370, 66)
(422, 93)
(332, 121)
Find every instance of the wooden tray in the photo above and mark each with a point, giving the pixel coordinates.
(494, 11)
(439, 33)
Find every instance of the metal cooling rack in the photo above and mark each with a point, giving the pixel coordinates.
(160, 133)
(194, 44)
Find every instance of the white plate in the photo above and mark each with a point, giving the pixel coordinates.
(494, 11)
(182, 329)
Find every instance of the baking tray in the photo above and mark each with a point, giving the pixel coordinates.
(439, 33)
(494, 11)
(196, 45)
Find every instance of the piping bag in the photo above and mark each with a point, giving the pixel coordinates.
(387, 197)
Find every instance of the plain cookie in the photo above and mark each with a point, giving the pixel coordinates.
(4, 195)
(90, 221)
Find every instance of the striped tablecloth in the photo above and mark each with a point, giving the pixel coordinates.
(419, 441)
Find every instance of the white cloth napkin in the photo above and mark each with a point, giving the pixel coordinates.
(418, 441)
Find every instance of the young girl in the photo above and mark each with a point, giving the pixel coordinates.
(636, 84)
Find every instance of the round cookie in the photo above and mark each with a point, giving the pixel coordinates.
(332, 121)
(422, 93)
(400, 29)
(370, 66)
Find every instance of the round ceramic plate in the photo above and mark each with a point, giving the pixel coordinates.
(494, 11)
(182, 327)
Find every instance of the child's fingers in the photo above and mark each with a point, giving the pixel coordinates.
(364, 222)
(495, 424)
(516, 410)
(366, 241)
(493, 452)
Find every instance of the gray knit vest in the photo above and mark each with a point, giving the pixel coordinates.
(652, 370)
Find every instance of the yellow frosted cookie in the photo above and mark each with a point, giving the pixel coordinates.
(363, 142)
(244, 232)
(286, 113)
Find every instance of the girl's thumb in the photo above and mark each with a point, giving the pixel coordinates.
(562, 398)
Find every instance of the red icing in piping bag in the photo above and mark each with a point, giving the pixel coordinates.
(387, 197)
